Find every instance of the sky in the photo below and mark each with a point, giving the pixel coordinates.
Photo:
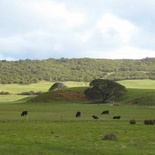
(43, 29)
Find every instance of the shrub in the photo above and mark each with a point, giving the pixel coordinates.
(149, 122)
(4, 93)
(132, 121)
(57, 86)
(110, 136)
(30, 93)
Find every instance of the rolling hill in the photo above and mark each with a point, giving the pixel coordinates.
(75, 69)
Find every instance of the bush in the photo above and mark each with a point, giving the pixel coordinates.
(132, 121)
(4, 93)
(57, 86)
(30, 93)
(110, 136)
(149, 122)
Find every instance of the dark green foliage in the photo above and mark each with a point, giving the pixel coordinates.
(105, 89)
(92, 93)
(132, 121)
(57, 86)
(4, 93)
(30, 93)
(110, 136)
(83, 69)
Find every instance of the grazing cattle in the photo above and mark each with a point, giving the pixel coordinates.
(105, 112)
(116, 117)
(78, 114)
(95, 117)
(24, 113)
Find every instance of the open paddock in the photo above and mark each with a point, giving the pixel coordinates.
(67, 111)
(76, 137)
(54, 129)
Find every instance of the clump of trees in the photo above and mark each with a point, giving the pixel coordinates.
(104, 89)
(79, 69)
(57, 85)
(4, 93)
(30, 93)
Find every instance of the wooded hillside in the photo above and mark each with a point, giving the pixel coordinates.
(75, 69)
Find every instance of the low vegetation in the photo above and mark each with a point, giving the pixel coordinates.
(65, 95)
(4, 93)
(30, 93)
(110, 136)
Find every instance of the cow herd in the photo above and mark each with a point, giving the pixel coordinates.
(78, 114)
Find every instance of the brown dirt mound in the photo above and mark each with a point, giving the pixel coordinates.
(60, 95)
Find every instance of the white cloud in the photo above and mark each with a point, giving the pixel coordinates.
(39, 29)
(124, 52)
(85, 36)
(56, 13)
(13, 43)
(113, 27)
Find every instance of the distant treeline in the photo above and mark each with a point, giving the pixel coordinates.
(75, 69)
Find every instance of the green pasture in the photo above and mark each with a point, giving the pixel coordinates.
(44, 86)
(138, 84)
(53, 129)
(36, 87)
(81, 138)
(135, 88)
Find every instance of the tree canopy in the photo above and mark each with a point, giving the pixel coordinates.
(104, 89)
(75, 69)
(57, 86)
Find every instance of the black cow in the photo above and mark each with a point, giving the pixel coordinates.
(78, 114)
(24, 113)
(105, 112)
(95, 117)
(116, 117)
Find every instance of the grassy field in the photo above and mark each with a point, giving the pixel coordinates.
(41, 86)
(138, 84)
(53, 129)
(44, 86)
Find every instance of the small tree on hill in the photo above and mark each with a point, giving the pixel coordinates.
(104, 89)
(57, 86)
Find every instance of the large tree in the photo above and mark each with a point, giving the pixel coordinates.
(104, 89)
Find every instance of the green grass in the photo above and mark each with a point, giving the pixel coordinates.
(53, 129)
(144, 96)
(80, 138)
(58, 111)
(41, 86)
(44, 86)
(138, 84)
